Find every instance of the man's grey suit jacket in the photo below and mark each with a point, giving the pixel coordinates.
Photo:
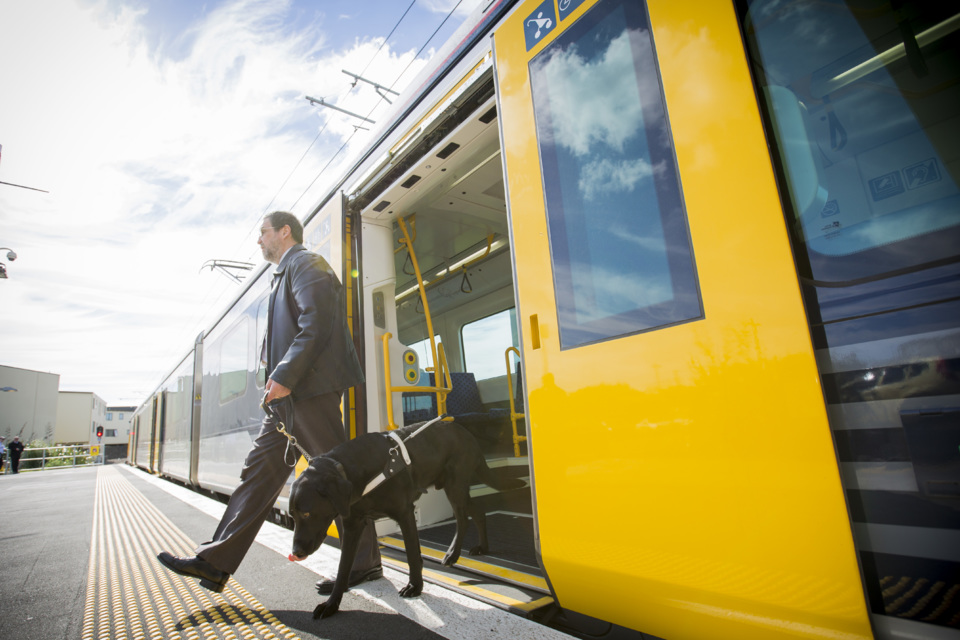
(309, 347)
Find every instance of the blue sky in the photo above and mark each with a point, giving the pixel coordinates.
(163, 130)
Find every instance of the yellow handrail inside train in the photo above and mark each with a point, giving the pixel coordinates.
(444, 384)
(442, 373)
(514, 416)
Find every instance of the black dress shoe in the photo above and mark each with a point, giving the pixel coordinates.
(325, 587)
(196, 567)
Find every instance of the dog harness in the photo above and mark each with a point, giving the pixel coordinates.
(399, 457)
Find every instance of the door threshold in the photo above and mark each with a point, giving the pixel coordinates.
(511, 590)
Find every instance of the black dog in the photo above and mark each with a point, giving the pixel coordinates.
(444, 454)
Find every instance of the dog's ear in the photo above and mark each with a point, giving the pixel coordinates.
(339, 495)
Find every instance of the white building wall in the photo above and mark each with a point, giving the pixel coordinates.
(78, 415)
(28, 404)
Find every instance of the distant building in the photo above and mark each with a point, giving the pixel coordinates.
(28, 404)
(117, 425)
(78, 416)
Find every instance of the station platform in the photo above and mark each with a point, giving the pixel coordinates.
(78, 560)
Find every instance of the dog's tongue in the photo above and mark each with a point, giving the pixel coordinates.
(293, 558)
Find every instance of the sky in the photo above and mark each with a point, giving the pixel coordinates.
(154, 135)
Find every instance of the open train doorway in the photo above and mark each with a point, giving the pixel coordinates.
(440, 324)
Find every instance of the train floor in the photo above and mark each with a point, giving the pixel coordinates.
(78, 560)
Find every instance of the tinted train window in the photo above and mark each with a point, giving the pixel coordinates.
(861, 101)
(424, 353)
(233, 362)
(619, 242)
(485, 343)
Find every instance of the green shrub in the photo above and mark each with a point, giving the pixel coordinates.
(33, 456)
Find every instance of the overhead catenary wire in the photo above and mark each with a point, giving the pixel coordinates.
(376, 104)
(198, 319)
(266, 209)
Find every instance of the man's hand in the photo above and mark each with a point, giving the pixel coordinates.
(276, 390)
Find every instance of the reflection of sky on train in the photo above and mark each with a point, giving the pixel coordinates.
(604, 165)
(163, 130)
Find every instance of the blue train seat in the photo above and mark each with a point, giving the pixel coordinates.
(463, 403)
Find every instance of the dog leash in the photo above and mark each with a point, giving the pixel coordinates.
(399, 457)
(394, 466)
(291, 439)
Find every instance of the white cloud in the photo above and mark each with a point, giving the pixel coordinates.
(592, 102)
(605, 176)
(154, 165)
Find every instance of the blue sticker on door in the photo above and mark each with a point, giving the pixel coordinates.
(539, 23)
(567, 7)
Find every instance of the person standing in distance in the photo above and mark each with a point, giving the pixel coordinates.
(16, 450)
(311, 361)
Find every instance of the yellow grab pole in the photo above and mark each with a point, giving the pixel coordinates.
(517, 438)
(388, 388)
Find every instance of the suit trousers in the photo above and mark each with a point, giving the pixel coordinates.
(318, 427)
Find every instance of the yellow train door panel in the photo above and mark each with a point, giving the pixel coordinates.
(685, 479)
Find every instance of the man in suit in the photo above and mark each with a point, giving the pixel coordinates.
(16, 450)
(311, 361)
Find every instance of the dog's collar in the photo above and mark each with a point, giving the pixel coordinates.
(341, 470)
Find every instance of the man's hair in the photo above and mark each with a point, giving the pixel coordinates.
(280, 219)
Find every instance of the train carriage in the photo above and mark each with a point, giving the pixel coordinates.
(691, 270)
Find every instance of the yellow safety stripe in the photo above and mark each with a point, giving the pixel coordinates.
(131, 596)
(509, 575)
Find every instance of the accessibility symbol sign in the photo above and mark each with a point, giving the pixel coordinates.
(567, 7)
(539, 23)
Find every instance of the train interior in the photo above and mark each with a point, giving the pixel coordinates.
(435, 223)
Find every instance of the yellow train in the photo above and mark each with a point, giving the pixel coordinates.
(691, 268)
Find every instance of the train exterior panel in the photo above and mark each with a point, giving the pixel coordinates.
(688, 270)
(230, 414)
(668, 420)
(865, 130)
(146, 437)
(177, 438)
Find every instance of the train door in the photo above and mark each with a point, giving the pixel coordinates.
(440, 319)
(866, 125)
(681, 455)
(159, 416)
(329, 233)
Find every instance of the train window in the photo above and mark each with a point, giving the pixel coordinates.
(485, 342)
(423, 351)
(861, 103)
(233, 362)
(619, 242)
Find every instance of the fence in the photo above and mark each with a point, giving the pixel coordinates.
(62, 457)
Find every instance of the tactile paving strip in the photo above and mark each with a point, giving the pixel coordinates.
(130, 595)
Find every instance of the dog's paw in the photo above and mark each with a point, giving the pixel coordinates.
(326, 609)
(478, 550)
(411, 590)
(450, 559)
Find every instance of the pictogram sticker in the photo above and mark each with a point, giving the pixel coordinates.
(539, 23)
(886, 186)
(567, 7)
(922, 173)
